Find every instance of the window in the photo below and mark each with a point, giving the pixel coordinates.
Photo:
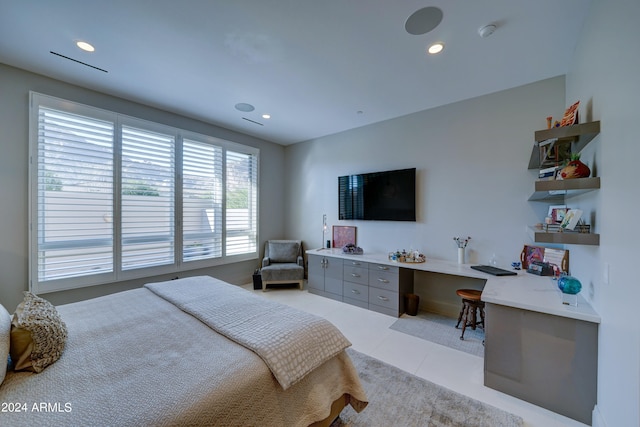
(147, 213)
(201, 201)
(241, 203)
(113, 197)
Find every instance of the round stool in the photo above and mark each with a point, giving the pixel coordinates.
(470, 304)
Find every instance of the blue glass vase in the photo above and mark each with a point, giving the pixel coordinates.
(569, 285)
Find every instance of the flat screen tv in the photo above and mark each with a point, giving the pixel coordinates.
(381, 196)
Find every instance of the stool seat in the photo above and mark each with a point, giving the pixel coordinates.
(471, 302)
(470, 294)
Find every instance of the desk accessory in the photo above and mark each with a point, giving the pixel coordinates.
(490, 269)
(540, 268)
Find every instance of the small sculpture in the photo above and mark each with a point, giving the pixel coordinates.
(575, 169)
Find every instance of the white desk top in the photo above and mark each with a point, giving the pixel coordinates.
(525, 291)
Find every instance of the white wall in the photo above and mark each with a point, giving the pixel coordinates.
(604, 76)
(15, 85)
(472, 178)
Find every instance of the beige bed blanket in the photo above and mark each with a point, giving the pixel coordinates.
(134, 359)
(291, 342)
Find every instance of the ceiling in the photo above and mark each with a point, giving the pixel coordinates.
(317, 67)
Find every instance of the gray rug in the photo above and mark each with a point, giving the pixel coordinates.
(441, 330)
(399, 399)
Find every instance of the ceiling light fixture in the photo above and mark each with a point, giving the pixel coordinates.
(436, 48)
(266, 116)
(87, 47)
(487, 30)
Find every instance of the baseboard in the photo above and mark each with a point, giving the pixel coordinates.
(596, 418)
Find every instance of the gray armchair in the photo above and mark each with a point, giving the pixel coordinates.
(282, 263)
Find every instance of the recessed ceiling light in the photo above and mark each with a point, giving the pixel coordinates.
(436, 48)
(85, 46)
(266, 116)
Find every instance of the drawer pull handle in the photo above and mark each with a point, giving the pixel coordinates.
(355, 275)
(355, 291)
(382, 267)
(383, 280)
(381, 298)
(355, 263)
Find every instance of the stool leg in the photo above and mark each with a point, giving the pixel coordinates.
(460, 315)
(474, 319)
(465, 319)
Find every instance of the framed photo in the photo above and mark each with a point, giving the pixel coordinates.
(557, 213)
(343, 235)
(571, 219)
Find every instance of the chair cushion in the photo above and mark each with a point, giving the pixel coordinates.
(283, 251)
(282, 271)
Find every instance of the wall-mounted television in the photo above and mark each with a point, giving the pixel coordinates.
(381, 196)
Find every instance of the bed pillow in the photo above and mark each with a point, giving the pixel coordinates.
(5, 340)
(38, 334)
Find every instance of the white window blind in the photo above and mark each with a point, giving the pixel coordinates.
(201, 200)
(241, 203)
(113, 197)
(148, 171)
(74, 195)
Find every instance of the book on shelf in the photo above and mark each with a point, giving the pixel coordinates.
(548, 174)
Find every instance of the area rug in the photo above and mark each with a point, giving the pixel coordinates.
(398, 398)
(441, 330)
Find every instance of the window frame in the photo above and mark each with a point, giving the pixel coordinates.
(36, 100)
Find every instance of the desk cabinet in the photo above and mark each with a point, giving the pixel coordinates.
(550, 361)
(387, 288)
(325, 276)
(376, 287)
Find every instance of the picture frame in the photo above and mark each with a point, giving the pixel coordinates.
(343, 235)
(571, 219)
(557, 257)
(557, 213)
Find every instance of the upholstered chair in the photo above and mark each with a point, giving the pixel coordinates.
(282, 263)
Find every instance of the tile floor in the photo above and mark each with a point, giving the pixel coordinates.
(370, 334)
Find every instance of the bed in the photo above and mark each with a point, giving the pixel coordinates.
(193, 351)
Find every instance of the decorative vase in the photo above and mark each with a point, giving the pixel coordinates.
(569, 285)
(575, 169)
(460, 255)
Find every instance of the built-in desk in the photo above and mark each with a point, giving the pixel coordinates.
(536, 348)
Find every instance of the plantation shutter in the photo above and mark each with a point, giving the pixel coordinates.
(201, 201)
(74, 228)
(148, 191)
(241, 203)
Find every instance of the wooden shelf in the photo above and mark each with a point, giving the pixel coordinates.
(558, 190)
(552, 144)
(578, 135)
(572, 238)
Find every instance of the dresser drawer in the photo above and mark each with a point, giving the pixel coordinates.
(383, 267)
(355, 291)
(384, 279)
(384, 298)
(356, 274)
(355, 263)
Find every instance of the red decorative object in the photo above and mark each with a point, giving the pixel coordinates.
(570, 115)
(575, 169)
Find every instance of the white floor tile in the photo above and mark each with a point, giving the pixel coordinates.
(459, 371)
